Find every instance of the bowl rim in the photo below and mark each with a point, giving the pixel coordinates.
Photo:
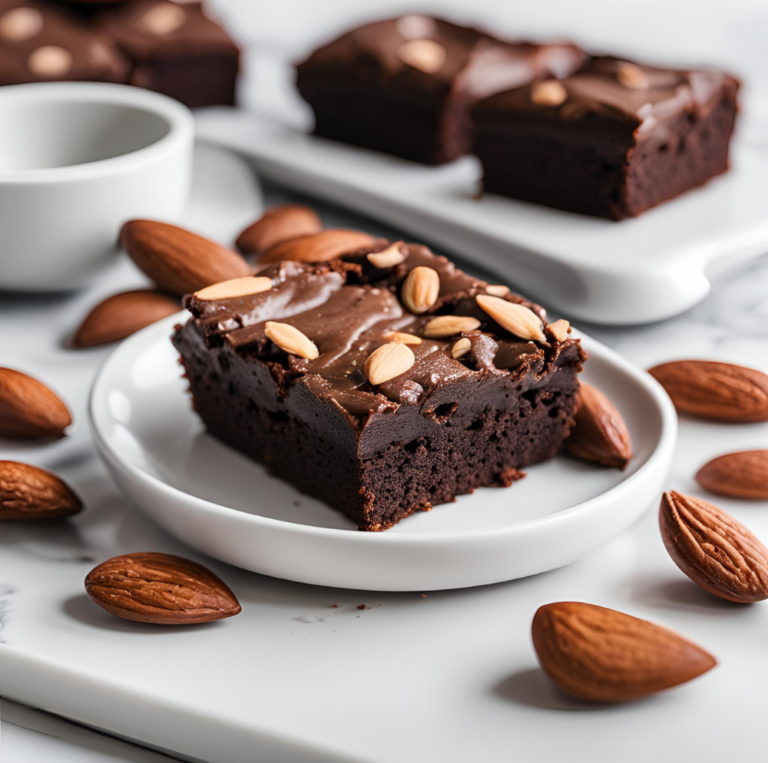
(181, 128)
(660, 457)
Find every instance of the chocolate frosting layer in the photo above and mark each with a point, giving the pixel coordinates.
(348, 310)
(475, 63)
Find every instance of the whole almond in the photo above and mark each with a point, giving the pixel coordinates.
(425, 55)
(497, 290)
(121, 315)
(517, 319)
(291, 340)
(28, 409)
(421, 289)
(319, 247)
(461, 348)
(160, 588)
(600, 654)
(399, 336)
(387, 258)
(278, 224)
(713, 549)
(549, 93)
(599, 432)
(739, 475)
(445, 326)
(236, 287)
(28, 492)
(388, 361)
(715, 390)
(177, 260)
(632, 76)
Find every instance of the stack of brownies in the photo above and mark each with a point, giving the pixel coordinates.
(174, 48)
(551, 124)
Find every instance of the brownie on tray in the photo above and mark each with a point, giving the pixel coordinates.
(611, 140)
(405, 86)
(384, 382)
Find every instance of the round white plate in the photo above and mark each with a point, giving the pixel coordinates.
(225, 505)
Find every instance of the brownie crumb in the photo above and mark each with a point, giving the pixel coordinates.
(362, 606)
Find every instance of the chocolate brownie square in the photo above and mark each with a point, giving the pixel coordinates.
(383, 383)
(405, 86)
(611, 140)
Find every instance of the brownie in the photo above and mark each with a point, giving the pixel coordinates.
(40, 42)
(405, 86)
(176, 49)
(467, 409)
(611, 140)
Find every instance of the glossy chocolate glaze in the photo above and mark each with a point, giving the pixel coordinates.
(347, 308)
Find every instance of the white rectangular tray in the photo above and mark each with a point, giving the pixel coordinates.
(636, 271)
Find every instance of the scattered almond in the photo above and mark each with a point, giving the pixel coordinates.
(278, 224)
(715, 390)
(461, 348)
(399, 336)
(121, 315)
(599, 433)
(713, 549)
(319, 247)
(632, 76)
(739, 475)
(497, 290)
(28, 409)
(388, 258)
(289, 339)
(161, 589)
(421, 289)
(235, 287)
(515, 318)
(178, 261)
(559, 330)
(427, 56)
(445, 326)
(388, 361)
(549, 93)
(602, 655)
(27, 492)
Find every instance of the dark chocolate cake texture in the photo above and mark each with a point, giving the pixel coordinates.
(384, 382)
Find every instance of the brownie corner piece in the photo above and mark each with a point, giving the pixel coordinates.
(454, 400)
(611, 140)
(405, 86)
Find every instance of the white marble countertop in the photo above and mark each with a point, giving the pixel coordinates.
(731, 325)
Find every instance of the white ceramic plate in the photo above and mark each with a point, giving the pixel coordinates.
(636, 271)
(227, 506)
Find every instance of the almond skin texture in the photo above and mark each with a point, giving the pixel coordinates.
(278, 224)
(603, 655)
(27, 492)
(177, 260)
(121, 315)
(715, 390)
(599, 433)
(161, 589)
(739, 475)
(28, 409)
(713, 549)
(319, 247)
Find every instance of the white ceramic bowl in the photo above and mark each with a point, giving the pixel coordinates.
(76, 161)
(229, 507)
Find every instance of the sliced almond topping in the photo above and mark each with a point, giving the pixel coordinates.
(399, 336)
(427, 56)
(632, 76)
(421, 289)
(449, 325)
(497, 290)
(49, 61)
(549, 93)
(163, 19)
(516, 319)
(235, 287)
(559, 330)
(20, 24)
(461, 348)
(388, 361)
(291, 340)
(390, 257)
